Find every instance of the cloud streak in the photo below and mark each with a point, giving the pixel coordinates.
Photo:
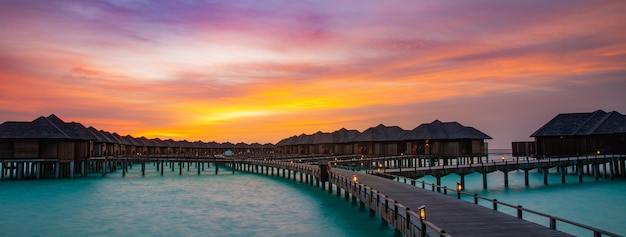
(260, 71)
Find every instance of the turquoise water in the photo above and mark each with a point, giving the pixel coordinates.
(246, 204)
(599, 204)
(189, 205)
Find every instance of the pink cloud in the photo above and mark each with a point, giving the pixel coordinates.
(235, 69)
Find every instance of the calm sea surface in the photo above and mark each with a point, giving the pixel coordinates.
(254, 205)
(189, 205)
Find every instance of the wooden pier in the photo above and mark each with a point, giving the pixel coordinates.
(399, 204)
(50, 168)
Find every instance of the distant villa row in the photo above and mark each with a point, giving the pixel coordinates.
(52, 138)
(570, 134)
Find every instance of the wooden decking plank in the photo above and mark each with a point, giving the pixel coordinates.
(457, 217)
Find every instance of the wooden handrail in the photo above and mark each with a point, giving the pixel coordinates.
(520, 210)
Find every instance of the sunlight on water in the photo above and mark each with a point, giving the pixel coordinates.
(189, 205)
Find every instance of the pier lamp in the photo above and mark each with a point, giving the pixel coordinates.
(422, 213)
(502, 158)
(291, 161)
(459, 188)
(598, 152)
(355, 179)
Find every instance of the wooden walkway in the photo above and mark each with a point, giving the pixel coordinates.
(393, 200)
(457, 217)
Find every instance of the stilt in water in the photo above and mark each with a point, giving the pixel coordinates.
(162, 168)
(506, 179)
(526, 177)
(579, 169)
(485, 180)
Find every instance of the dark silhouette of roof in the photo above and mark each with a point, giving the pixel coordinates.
(344, 135)
(322, 138)
(581, 124)
(50, 127)
(381, 133)
(444, 131)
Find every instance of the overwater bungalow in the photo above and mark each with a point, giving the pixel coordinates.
(45, 138)
(47, 143)
(381, 140)
(321, 143)
(343, 141)
(446, 140)
(577, 134)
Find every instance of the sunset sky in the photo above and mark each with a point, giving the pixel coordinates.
(260, 71)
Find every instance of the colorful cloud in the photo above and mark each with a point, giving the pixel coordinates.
(260, 71)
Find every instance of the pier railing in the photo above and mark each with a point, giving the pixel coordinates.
(405, 220)
(402, 218)
(552, 220)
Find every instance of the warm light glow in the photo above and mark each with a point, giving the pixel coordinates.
(459, 187)
(422, 212)
(255, 74)
(355, 179)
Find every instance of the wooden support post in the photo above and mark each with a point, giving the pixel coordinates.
(485, 180)
(526, 183)
(438, 183)
(180, 168)
(612, 169)
(545, 176)
(38, 171)
(104, 167)
(217, 168)
(123, 168)
(143, 168)
(579, 170)
(162, 166)
(198, 166)
(563, 172)
(83, 169)
(20, 170)
(596, 171)
(506, 178)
